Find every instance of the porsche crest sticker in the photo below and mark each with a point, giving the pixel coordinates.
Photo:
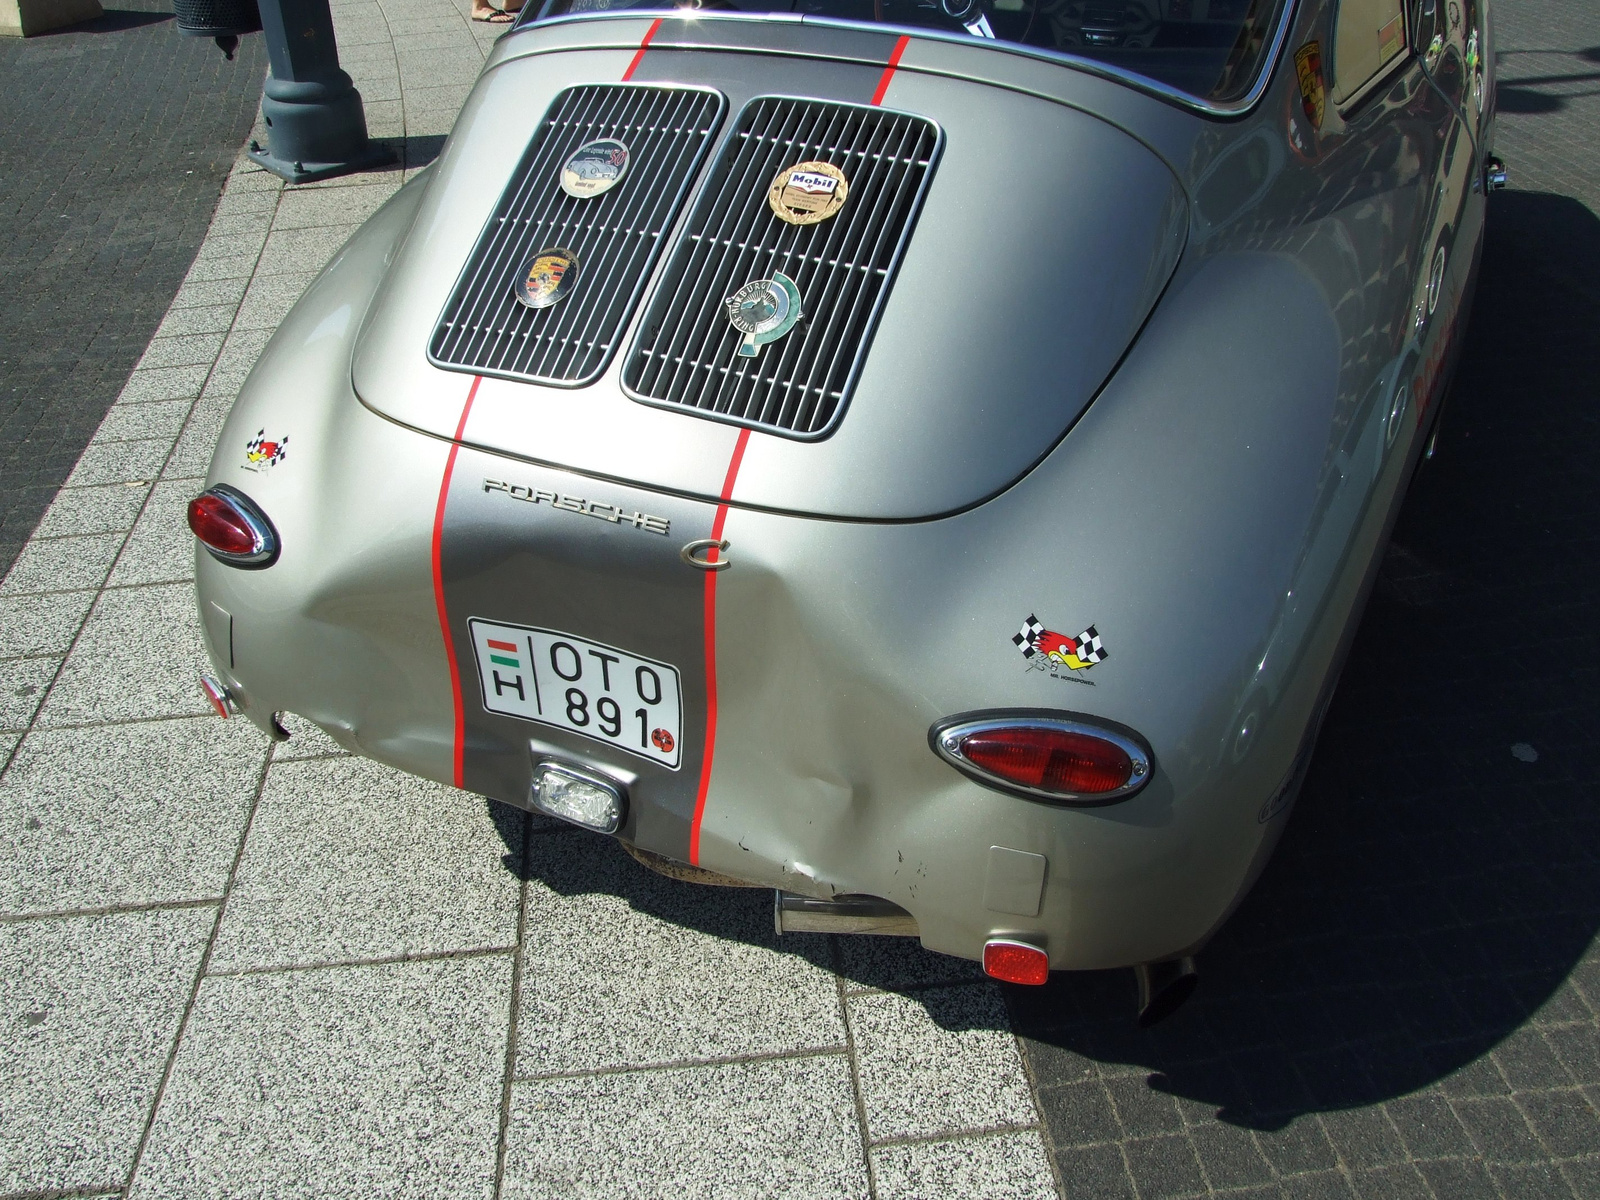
(261, 455)
(594, 167)
(548, 277)
(763, 310)
(808, 192)
(1046, 650)
(1308, 69)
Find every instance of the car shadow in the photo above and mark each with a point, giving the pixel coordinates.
(409, 152)
(1437, 882)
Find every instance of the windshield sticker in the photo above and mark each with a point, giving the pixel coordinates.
(548, 277)
(1046, 650)
(594, 167)
(262, 455)
(763, 310)
(808, 192)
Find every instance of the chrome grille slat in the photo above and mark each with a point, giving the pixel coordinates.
(685, 354)
(616, 235)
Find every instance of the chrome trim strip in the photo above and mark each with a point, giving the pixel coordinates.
(945, 738)
(1089, 66)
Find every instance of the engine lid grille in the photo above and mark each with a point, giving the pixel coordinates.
(616, 236)
(686, 353)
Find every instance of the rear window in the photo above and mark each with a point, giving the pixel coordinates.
(1211, 49)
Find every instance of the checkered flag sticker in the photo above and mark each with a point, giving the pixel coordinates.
(1025, 638)
(1090, 650)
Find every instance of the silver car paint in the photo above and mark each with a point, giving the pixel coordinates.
(1027, 277)
(1215, 511)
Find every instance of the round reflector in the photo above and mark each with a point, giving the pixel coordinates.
(1015, 962)
(231, 526)
(1050, 756)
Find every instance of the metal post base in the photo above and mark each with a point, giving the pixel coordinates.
(301, 171)
(316, 129)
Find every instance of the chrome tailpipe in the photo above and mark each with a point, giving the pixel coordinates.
(1163, 987)
(842, 914)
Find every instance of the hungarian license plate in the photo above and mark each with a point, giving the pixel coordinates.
(599, 691)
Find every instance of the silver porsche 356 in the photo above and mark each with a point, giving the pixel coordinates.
(925, 458)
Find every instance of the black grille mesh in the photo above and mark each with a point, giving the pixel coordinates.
(686, 349)
(616, 235)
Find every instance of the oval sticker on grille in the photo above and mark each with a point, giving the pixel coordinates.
(594, 167)
(548, 277)
(808, 192)
(763, 310)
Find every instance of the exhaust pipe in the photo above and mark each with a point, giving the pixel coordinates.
(842, 914)
(1163, 987)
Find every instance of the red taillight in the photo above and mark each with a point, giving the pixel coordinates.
(1054, 760)
(1015, 962)
(229, 524)
(1045, 755)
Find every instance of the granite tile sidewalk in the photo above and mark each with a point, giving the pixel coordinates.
(235, 969)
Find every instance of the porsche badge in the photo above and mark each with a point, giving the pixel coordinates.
(548, 277)
(808, 192)
(1308, 69)
(593, 168)
(763, 310)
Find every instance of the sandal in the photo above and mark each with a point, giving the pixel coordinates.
(494, 16)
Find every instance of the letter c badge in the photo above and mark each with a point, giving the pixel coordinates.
(691, 554)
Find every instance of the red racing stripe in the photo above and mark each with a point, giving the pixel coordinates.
(888, 71)
(711, 647)
(721, 518)
(638, 55)
(438, 586)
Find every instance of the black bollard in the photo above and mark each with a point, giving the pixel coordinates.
(316, 127)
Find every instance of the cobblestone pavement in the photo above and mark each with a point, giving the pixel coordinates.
(115, 137)
(1406, 1004)
(230, 969)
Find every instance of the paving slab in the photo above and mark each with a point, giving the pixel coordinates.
(306, 740)
(23, 683)
(777, 1128)
(62, 564)
(349, 859)
(668, 972)
(160, 549)
(298, 250)
(170, 383)
(191, 457)
(269, 299)
(893, 963)
(191, 350)
(138, 813)
(109, 508)
(345, 1081)
(1005, 1166)
(135, 422)
(318, 208)
(120, 462)
(139, 657)
(91, 1007)
(938, 1061)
